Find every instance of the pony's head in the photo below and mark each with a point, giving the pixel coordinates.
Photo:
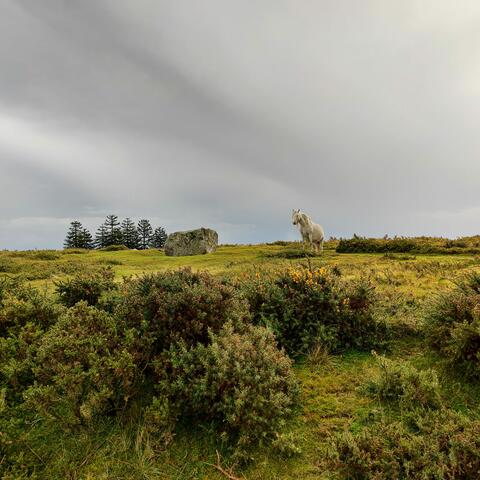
(296, 216)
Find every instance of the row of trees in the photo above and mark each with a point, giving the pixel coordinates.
(112, 232)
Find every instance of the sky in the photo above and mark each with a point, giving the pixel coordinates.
(228, 114)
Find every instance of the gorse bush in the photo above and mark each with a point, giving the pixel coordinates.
(84, 367)
(181, 305)
(438, 445)
(181, 335)
(240, 380)
(114, 248)
(22, 304)
(307, 307)
(452, 325)
(25, 315)
(86, 286)
(401, 383)
(416, 245)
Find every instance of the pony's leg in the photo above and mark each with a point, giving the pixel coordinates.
(304, 242)
(321, 245)
(310, 241)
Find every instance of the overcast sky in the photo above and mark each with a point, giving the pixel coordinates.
(229, 113)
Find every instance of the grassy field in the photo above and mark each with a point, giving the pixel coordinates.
(410, 274)
(331, 397)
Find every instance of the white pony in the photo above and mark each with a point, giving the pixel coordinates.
(312, 233)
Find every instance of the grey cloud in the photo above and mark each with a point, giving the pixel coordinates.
(230, 113)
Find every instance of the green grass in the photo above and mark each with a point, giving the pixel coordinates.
(331, 399)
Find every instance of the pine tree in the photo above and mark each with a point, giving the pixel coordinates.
(145, 233)
(86, 239)
(113, 231)
(130, 234)
(74, 234)
(101, 237)
(159, 238)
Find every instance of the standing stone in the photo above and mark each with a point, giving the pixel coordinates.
(192, 242)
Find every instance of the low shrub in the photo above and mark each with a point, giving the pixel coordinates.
(114, 248)
(84, 367)
(86, 286)
(415, 245)
(75, 251)
(306, 307)
(240, 381)
(178, 305)
(452, 325)
(7, 265)
(46, 255)
(21, 304)
(401, 383)
(25, 314)
(8, 285)
(290, 254)
(17, 361)
(439, 445)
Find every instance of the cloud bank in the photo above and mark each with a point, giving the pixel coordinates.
(228, 114)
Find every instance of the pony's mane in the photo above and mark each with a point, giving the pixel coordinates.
(305, 217)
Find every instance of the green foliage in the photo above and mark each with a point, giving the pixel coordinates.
(101, 237)
(401, 383)
(84, 367)
(145, 233)
(130, 234)
(114, 248)
(17, 360)
(8, 265)
(439, 445)
(113, 231)
(240, 381)
(418, 245)
(87, 286)
(78, 237)
(21, 304)
(452, 325)
(158, 238)
(307, 307)
(178, 305)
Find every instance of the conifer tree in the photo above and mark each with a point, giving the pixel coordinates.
(74, 234)
(145, 233)
(101, 237)
(159, 238)
(113, 231)
(130, 234)
(86, 239)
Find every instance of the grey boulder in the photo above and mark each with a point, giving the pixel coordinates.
(191, 242)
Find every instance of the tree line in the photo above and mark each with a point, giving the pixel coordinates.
(112, 232)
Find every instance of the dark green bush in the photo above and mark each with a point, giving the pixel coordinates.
(73, 251)
(307, 307)
(18, 359)
(25, 315)
(84, 367)
(415, 245)
(401, 383)
(452, 325)
(46, 255)
(179, 305)
(7, 265)
(375, 245)
(21, 304)
(86, 286)
(240, 381)
(440, 445)
(114, 248)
